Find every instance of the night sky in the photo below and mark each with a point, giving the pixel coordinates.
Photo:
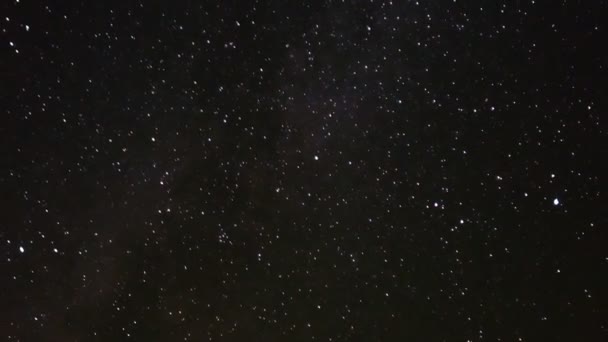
(303, 171)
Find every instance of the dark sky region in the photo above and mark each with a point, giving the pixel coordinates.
(303, 170)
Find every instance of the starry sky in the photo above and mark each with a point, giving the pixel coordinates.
(303, 170)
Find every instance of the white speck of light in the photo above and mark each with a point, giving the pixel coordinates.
(316, 157)
(27, 28)
(153, 139)
(555, 201)
(435, 204)
(55, 250)
(21, 249)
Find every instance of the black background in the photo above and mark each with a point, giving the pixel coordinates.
(303, 171)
